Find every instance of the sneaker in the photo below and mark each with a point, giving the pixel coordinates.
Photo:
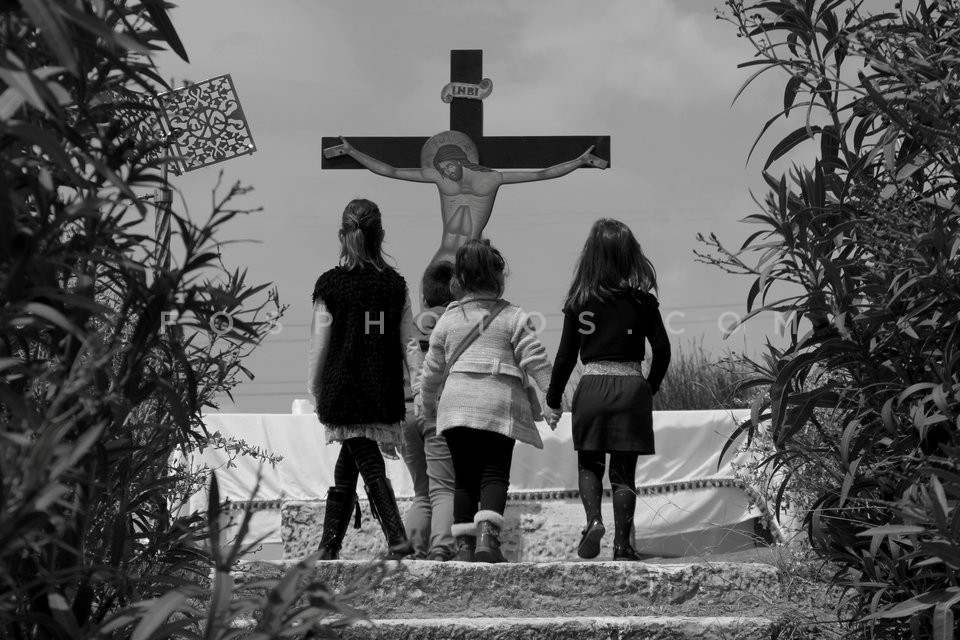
(589, 546)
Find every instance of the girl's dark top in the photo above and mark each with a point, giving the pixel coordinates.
(614, 329)
(363, 374)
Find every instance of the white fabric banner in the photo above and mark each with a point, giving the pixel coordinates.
(677, 488)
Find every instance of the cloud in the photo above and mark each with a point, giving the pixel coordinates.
(653, 54)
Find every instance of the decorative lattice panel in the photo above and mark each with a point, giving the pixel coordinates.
(207, 122)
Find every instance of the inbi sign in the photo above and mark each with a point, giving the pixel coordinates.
(467, 90)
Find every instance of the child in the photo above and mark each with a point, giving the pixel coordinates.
(608, 314)
(425, 452)
(483, 408)
(361, 317)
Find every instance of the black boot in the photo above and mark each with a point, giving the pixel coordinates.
(589, 546)
(336, 519)
(624, 505)
(383, 504)
(589, 482)
(465, 535)
(627, 553)
(489, 525)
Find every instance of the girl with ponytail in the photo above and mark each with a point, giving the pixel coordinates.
(361, 319)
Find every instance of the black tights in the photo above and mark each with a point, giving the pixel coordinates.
(358, 456)
(590, 467)
(481, 467)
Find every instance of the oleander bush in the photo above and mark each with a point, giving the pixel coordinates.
(110, 346)
(860, 244)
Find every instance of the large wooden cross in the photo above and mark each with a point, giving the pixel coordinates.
(466, 115)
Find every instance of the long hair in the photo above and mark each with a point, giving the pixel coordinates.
(361, 235)
(611, 262)
(479, 267)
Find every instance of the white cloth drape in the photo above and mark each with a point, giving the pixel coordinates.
(675, 495)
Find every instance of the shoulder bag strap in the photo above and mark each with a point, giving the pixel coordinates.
(468, 339)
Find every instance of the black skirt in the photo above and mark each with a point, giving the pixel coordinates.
(613, 413)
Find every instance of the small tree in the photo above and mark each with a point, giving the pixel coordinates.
(864, 245)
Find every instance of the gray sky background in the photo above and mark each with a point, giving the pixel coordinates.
(658, 76)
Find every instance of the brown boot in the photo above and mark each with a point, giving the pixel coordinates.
(489, 525)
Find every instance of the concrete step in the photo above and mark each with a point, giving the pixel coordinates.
(418, 589)
(565, 628)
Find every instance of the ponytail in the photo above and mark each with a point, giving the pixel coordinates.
(361, 235)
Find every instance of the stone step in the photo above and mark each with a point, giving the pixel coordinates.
(422, 589)
(542, 530)
(566, 628)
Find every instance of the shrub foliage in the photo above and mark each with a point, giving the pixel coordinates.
(113, 339)
(862, 244)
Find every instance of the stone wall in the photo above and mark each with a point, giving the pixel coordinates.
(541, 530)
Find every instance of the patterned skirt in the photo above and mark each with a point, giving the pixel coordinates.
(387, 436)
(613, 409)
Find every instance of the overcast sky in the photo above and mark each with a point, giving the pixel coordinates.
(657, 76)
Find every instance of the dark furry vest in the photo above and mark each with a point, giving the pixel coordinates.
(362, 378)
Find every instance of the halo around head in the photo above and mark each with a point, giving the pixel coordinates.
(458, 138)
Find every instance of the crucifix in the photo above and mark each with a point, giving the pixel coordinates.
(463, 163)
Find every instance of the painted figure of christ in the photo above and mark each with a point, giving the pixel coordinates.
(467, 189)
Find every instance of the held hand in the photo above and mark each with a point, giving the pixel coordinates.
(342, 149)
(417, 406)
(588, 159)
(552, 416)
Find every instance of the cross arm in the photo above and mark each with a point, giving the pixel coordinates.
(496, 152)
(401, 152)
(536, 152)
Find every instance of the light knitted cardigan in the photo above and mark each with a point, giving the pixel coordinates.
(485, 388)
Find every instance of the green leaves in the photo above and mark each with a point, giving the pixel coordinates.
(98, 397)
(788, 143)
(790, 93)
(860, 245)
(46, 17)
